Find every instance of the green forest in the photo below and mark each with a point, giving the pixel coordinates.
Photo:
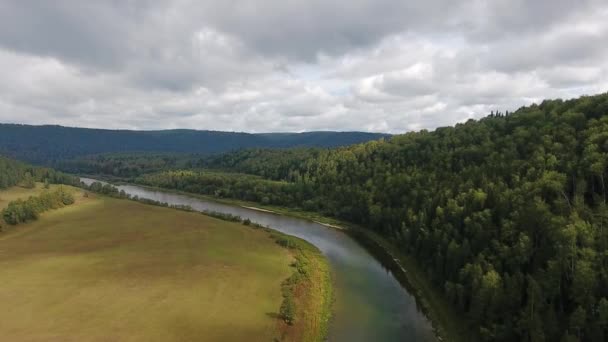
(506, 214)
(127, 165)
(11, 172)
(14, 172)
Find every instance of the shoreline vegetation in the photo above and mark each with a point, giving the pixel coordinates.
(447, 324)
(306, 293)
(305, 312)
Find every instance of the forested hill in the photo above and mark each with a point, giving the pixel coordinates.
(507, 214)
(47, 144)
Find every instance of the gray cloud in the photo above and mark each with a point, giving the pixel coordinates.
(382, 65)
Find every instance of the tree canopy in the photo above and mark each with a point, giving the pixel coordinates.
(506, 214)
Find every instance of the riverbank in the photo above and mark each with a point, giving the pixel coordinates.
(447, 323)
(307, 293)
(305, 312)
(258, 209)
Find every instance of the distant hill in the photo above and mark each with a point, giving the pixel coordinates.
(47, 144)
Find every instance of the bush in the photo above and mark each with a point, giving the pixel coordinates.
(286, 242)
(20, 211)
(288, 309)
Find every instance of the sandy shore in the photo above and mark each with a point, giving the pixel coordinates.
(259, 209)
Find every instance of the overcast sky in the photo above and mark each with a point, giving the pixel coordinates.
(262, 66)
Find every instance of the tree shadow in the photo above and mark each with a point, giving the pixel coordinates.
(273, 315)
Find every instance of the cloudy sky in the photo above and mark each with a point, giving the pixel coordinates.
(293, 65)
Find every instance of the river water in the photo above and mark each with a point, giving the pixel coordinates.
(370, 303)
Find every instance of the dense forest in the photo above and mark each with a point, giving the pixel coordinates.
(14, 172)
(127, 165)
(273, 164)
(11, 172)
(49, 144)
(225, 185)
(506, 214)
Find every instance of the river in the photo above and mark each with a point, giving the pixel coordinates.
(370, 303)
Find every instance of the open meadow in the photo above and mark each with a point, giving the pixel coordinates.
(115, 270)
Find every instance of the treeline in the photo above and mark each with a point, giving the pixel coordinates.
(507, 214)
(225, 185)
(20, 211)
(275, 164)
(52, 176)
(13, 173)
(127, 165)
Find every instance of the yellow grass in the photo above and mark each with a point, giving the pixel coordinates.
(115, 270)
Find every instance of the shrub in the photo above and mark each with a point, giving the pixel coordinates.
(20, 211)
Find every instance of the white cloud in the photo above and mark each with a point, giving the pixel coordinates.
(380, 65)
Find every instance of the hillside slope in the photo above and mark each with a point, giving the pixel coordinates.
(506, 214)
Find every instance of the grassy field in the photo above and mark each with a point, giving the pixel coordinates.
(115, 270)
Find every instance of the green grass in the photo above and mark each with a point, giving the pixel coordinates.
(107, 270)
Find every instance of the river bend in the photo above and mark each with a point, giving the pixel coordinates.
(370, 303)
